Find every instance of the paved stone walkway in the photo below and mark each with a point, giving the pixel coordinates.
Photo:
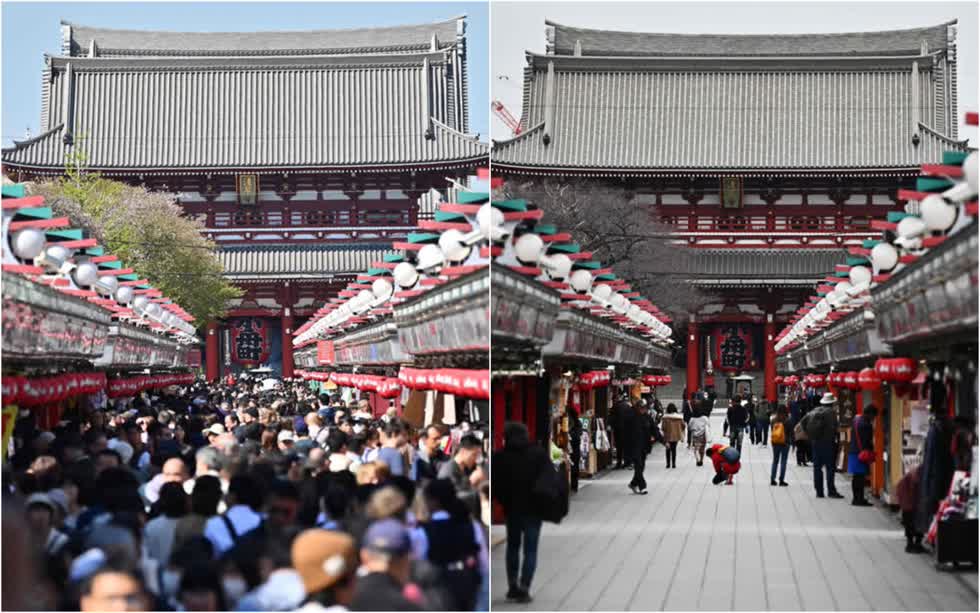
(689, 545)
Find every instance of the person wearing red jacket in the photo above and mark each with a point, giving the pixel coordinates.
(726, 461)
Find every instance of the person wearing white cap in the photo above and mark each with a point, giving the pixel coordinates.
(41, 512)
(285, 440)
(821, 429)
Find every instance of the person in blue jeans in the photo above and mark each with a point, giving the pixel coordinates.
(820, 425)
(515, 469)
(782, 430)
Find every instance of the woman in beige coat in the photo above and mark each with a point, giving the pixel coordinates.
(673, 428)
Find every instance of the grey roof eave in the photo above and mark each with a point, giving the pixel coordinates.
(240, 62)
(572, 63)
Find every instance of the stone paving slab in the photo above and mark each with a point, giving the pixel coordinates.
(689, 545)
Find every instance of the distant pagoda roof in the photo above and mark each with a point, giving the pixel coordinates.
(621, 103)
(378, 98)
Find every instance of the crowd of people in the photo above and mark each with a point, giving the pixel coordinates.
(244, 496)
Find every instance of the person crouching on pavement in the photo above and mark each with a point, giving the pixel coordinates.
(726, 461)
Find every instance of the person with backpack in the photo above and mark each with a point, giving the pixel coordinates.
(780, 444)
(244, 500)
(738, 418)
(861, 454)
(820, 426)
(516, 470)
(726, 460)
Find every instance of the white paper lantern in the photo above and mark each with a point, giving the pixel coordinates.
(124, 295)
(491, 222)
(86, 274)
(860, 275)
(884, 256)
(937, 214)
(452, 246)
(970, 171)
(529, 248)
(382, 289)
(28, 243)
(910, 227)
(405, 274)
(557, 266)
(581, 281)
(430, 257)
(602, 292)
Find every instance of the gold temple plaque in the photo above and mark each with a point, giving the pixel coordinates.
(248, 189)
(731, 192)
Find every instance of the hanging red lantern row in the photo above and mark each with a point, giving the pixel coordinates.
(869, 380)
(312, 375)
(593, 379)
(124, 388)
(851, 380)
(656, 380)
(896, 370)
(778, 380)
(342, 379)
(34, 391)
(460, 382)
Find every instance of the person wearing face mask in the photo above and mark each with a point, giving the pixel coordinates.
(430, 457)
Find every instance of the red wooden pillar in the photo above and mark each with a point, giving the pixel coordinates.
(499, 417)
(693, 363)
(770, 367)
(530, 406)
(287, 343)
(211, 348)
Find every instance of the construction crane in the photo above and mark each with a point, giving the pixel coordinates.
(501, 111)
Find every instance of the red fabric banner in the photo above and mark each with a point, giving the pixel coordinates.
(467, 383)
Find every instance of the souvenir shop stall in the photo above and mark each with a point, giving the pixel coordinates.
(918, 285)
(564, 328)
(413, 331)
(79, 329)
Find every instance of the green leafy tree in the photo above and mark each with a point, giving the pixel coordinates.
(147, 231)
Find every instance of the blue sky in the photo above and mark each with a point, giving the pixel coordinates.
(31, 29)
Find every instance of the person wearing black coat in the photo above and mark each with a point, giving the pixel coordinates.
(687, 413)
(622, 416)
(641, 431)
(575, 440)
(516, 469)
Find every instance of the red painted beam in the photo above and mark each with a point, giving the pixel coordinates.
(54, 222)
(22, 203)
(536, 214)
(942, 170)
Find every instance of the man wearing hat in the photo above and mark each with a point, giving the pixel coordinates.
(213, 433)
(821, 427)
(386, 556)
(327, 564)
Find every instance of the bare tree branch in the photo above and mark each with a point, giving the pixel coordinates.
(622, 234)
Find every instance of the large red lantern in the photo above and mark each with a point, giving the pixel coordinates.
(896, 370)
(819, 380)
(851, 380)
(869, 380)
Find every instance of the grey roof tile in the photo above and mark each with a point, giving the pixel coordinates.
(615, 43)
(298, 261)
(766, 263)
(310, 42)
(643, 117)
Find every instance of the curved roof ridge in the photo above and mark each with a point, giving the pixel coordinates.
(20, 144)
(473, 137)
(565, 40)
(309, 31)
(550, 22)
(943, 137)
(123, 42)
(519, 137)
